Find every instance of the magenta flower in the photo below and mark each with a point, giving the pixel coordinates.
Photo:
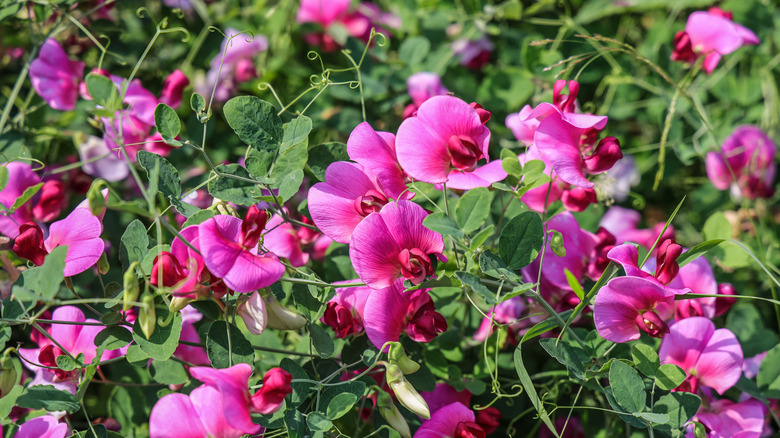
(422, 86)
(627, 305)
(709, 357)
(511, 312)
(173, 88)
(55, 77)
(79, 231)
(390, 311)
(454, 420)
(220, 407)
(376, 152)
(699, 278)
(20, 177)
(75, 339)
(447, 135)
(473, 54)
(394, 243)
(711, 34)
(276, 386)
(324, 12)
(724, 418)
(348, 195)
(482, 176)
(230, 251)
(190, 353)
(750, 154)
(665, 269)
(623, 224)
(443, 395)
(568, 138)
(344, 312)
(238, 65)
(285, 241)
(47, 426)
(181, 267)
(523, 127)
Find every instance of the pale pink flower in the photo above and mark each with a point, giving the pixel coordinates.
(46, 426)
(745, 164)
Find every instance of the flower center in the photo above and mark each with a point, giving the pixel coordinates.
(252, 227)
(371, 202)
(650, 323)
(469, 429)
(415, 265)
(464, 152)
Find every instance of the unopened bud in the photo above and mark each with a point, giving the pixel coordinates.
(405, 392)
(103, 265)
(391, 414)
(8, 375)
(178, 303)
(281, 318)
(396, 355)
(147, 316)
(556, 243)
(96, 199)
(131, 287)
(253, 312)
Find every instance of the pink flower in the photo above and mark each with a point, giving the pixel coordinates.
(699, 278)
(348, 195)
(454, 420)
(79, 231)
(443, 395)
(709, 357)
(230, 250)
(473, 54)
(749, 153)
(724, 418)
(324, 12)
(285, 241)
(627, 305)
(173, 87)
(623, 224)
(394, 243)
(276, 386)
(182, 267)
(390, 311)
(344, 312)
(447, 135)
(422, 86)
(55, 77)
(568, 138)
(46, 426)
(666, 267)
(523, 127)
(237, 67)
(376, 152)
(110, 167)
(509, 312)
(220, 407)
(46, 205)
(75, 339)
(190, 353)
(711, 34)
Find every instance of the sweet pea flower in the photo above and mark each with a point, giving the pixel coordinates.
(750, 154)
(665, 268)
(344, 312)
(724, 418)
(75, 339)
(623, 224)
(710, 358)
(454, 420)
(287, 241)
(422, 86)
(394, 243)
(443, 395)
(46, 426)
(697, 276)
(627, 305)
(358, 23)
(55, 77)
(446, 136)
(191, 353)
(711, 34)
(181, 268)
(238, 65)
(390, 311)
(376, 152)
(44, 206)
(523, 127)
(220, 407)
(173, 88)
(473, 54)
(110, 167)
(230, 251)
(324, 12)
(253, 312)
(79, 231)
(568, 138)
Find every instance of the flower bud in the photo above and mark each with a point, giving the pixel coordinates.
(397, 356)
(391, 414)
(131, 287)
(8, 375)
(253, 312)
(557, 243)
(281, 318)
(103, 265)
(147, 316)
(405, 392)
(178, 303)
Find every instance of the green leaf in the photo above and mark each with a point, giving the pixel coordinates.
(8, 400)
(357, 388)
(574, 284)
(44, 281)
(653, 418)
(5, 334)
(228, 189)
(169, 372)
(197, 218)
(679, 406)
(168, 124)
(111, 338)
(414, 50)
(65, 363)
(745, 321)
(627, 387)
(696, 251)
(103, 92)
(322, 156)
(521, 240)
(473, 209)
(530, 391)
(166, 175)
(49, 398)
(289, 184)
(769, 374)
(136, 357)
(28, 193)
(133, 244)
(3, 176)
(481, 237)
(512, 166)
(165, 338)
(340, 405)
(491, 265)
(571, 356)
(322, 340)
(254, 121)
(645, 359)
(473, 282)
(442, 224)
(669, 376)
(296, 131)
(717, 227)
(227, 346)
(318, 422)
